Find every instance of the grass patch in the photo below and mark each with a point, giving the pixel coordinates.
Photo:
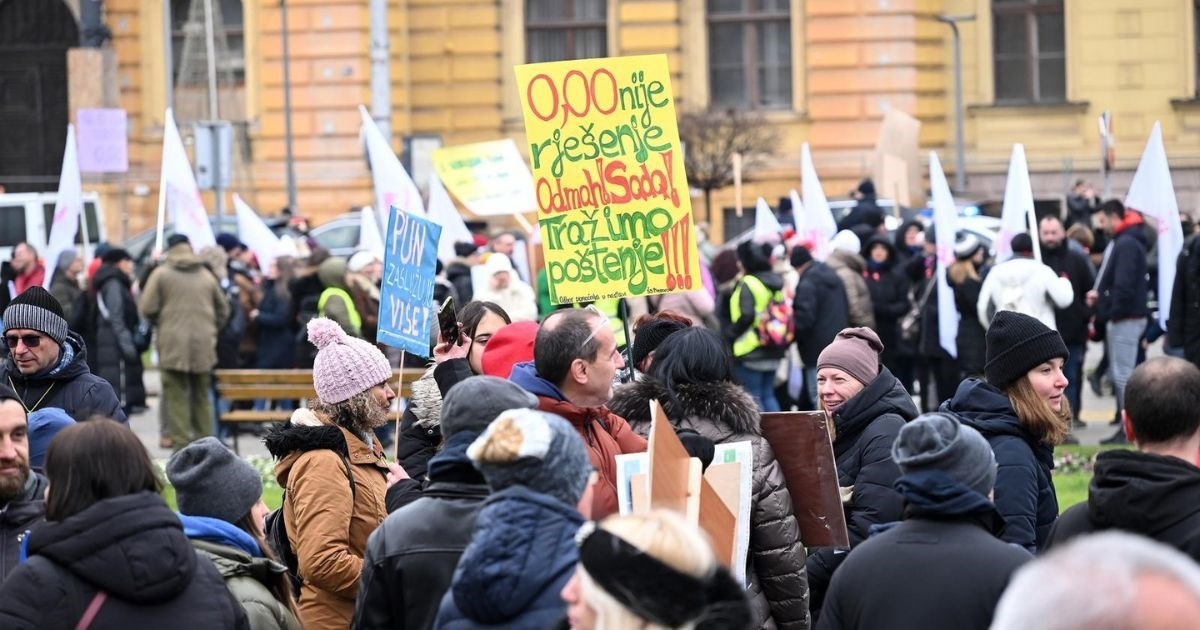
(272, 493)
(1073, 473)
(272, 496)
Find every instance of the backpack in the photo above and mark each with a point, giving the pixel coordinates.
(277, 538)
(776, 328)
(1010, 297)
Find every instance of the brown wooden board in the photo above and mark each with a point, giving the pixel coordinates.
(718, 521)
(804, 451)
(670, 466)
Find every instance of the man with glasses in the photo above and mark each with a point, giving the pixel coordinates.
(575, 360)
(47, 364)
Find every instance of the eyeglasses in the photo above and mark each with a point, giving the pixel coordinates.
(591, 308)
(30, 341)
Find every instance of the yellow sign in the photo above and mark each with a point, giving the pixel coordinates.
(489, 178)
(612, 196)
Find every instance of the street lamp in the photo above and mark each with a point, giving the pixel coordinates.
(287, 111)
(960, 160)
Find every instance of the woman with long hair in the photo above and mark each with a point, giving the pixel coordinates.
(222, 511)
(651, 571)
(1020, 408)
(692, 377)
(111, 553)
(963, 277)
(420, 436)
(276, 326)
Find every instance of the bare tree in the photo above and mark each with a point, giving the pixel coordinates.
(712, 137)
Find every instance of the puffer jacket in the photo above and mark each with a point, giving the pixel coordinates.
(725, 413)
(866, 427)
(17, 516)
(1024, 491)
(131, 547)
(1026, 286)
(521, 556)
(411, 558)
(239, 560)
(849, 268)
(605, 433)
(112, 354)
(68, 385)
(183, 300)
(326, 525)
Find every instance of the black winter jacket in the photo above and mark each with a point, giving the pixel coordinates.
(133, 548)
(725, 413)
(748, 316)
(1125, 285)
(420, 426)
(1024, 491)
(920, 271)
(820, 310)
(410, 559)
(923, 573)
(276, 330)
(17, 516)
(112, 354)
(1155, 496)
(866, 426)
(459, 275)
(1072, 321)
(69, 385)
(1183, 329)
(889, 295)
(972, 338)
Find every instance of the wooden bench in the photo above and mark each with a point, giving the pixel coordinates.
(272, 385)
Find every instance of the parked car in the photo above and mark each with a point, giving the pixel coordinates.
(28, 217)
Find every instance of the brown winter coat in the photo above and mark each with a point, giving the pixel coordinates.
(849, 269)
(184, 302)
(724, 413)
(327, 526)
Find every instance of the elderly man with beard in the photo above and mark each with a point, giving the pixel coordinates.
(22, 491)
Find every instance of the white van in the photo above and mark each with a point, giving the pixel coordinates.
(28, 216)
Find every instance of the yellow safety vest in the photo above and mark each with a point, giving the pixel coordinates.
(355, 318)
(749, 341)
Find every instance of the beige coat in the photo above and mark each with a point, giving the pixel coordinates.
(327, 526)
(184, 302)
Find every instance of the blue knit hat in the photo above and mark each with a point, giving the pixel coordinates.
(44, 424)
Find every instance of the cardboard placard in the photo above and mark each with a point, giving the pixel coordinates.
(670, 465)
(804, 451)
(406, 308)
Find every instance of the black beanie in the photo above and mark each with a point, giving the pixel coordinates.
(114, 256)
(36, 309)
(1017, 343)
(800, 256)
(650, 335)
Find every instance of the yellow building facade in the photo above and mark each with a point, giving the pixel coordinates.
(819, 71)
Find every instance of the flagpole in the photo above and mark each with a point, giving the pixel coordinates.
(399, 413)
(162, 186)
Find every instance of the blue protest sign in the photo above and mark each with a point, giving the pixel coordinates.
(406, 308)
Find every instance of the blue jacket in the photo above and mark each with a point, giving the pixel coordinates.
(1024, 491)
(1125, 286)
(521, 556)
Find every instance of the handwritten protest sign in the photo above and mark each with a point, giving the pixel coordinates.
(489, 178)
(611, 192)
(406, 309)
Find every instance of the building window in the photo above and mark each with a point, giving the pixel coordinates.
(750, 53)
(557, 30)
(1029, 52)
(186, 18)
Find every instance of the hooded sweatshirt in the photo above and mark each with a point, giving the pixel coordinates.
(133, 548)
(1156, 496)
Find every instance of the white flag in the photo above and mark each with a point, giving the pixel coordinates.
(1017, 214)
(370, 238)
(443, 212)
(68, 208)
(766, 224)
(178, 194)
(393, 186)
(253, 231)
(945, 222)
(1152, 194)
(819, 220)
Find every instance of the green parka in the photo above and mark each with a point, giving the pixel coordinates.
(183, 300)
(243, 576)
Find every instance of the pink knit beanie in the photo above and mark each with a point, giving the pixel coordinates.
(345, 366)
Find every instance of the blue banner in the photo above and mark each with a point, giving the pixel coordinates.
(407, 314)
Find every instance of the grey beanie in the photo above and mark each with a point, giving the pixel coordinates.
(939, 441)
(210, 480)
(36, 309)
(538, 450)
(473, 403)
(65, 259)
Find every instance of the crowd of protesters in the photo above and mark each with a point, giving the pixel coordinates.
(502, 510)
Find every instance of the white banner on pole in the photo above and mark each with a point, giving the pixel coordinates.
(1153, 194)
(819, 224)
(443, 212)
(766, 224)
(370, 239)
(178, 194)
(393, 186)
(68, 208)
(945, 222)
(253, 231)
(1018, 206)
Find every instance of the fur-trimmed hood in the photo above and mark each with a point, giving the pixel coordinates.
(726, 406)
(307, 431)
(426, 400)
